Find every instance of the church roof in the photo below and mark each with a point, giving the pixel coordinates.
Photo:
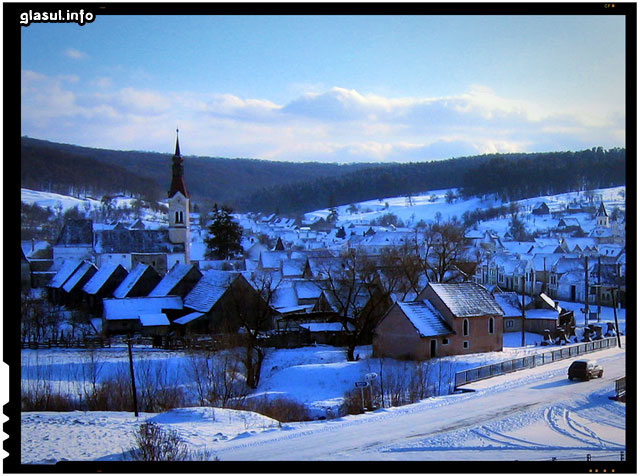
(76, 232)
(177, 177)
(136, 241)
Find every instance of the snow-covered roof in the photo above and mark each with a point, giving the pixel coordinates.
(171, 279)
(293, 267)
(425, 318)
(510, 303)
(132, 278)
(188, 318)
(156, 319)
(133, 308)
(135, 241)
(85, 269)
(272, 259)
(325, 326)
(284, 296)
(541, 314)
(467, 299)
(64, 273)
(307, 289)
(100, 278)
(208, 290)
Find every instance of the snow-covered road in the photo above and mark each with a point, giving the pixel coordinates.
(498, 407)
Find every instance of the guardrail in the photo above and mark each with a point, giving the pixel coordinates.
(493, 370)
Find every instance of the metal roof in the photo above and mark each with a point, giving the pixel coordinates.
(425, 318)
(467, 299)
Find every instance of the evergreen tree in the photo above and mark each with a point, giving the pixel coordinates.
(224, 234)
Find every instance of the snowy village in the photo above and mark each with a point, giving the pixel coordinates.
(319, 242)
(284, 328)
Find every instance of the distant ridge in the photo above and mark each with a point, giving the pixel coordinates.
(292, 188)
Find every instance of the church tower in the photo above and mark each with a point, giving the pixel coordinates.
(602, 217)
(179, 203)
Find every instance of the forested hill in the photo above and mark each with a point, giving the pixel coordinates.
(511, 176)
(293, 188)
(71, 169)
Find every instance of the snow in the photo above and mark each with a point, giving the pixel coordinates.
(580, 423)
(156, 319)
(425, 318)
(131, 308)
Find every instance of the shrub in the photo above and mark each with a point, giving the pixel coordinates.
(153, 443)
(282, 409)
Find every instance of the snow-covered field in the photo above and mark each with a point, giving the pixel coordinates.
(319, 376)
(583, 421)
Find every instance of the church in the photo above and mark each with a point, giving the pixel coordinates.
(128, 246)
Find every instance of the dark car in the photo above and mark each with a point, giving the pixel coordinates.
(585, 370)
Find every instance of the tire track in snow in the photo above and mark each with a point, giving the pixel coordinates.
(560, 420)
(511, 442)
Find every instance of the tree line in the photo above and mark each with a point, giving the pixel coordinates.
(508, 176)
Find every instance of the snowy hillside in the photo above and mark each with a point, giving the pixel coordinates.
(430, 205)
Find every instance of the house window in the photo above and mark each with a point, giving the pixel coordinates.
(179, 217)
(465, 327)
(508, 323)
(465, 344)
(445, 341)
(491, 325)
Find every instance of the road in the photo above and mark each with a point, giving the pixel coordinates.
(370, 436)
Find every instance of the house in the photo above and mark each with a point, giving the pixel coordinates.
(445, 319)
(541, 209)
(569, 225)
(139, 282)
(102, 285)
(130, 315)
(178, 281)
(72, 288)
(54, 287)
(75, 242)
(221, 302)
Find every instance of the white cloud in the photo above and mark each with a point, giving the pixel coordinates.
(337, 125)
(75, 54)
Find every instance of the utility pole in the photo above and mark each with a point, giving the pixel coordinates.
(133, 380)
(586, 290)
(598, 290)
(523, 340)
(615, 316)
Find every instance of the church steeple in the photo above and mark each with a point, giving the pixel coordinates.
(177, 176)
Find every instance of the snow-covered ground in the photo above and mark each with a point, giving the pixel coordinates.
(317, 376)
(570, 420)
(433, 203)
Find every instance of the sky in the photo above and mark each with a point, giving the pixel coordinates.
(386, 88)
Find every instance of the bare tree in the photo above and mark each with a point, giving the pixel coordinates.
(358, 294)
(444, 246)
(252, 315)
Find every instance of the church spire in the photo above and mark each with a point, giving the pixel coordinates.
(177, 154)
(177, 176)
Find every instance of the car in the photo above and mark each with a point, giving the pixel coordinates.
(585, 370)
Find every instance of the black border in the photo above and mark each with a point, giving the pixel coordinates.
(11, 147)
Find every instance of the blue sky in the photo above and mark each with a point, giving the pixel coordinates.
(328, 88)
